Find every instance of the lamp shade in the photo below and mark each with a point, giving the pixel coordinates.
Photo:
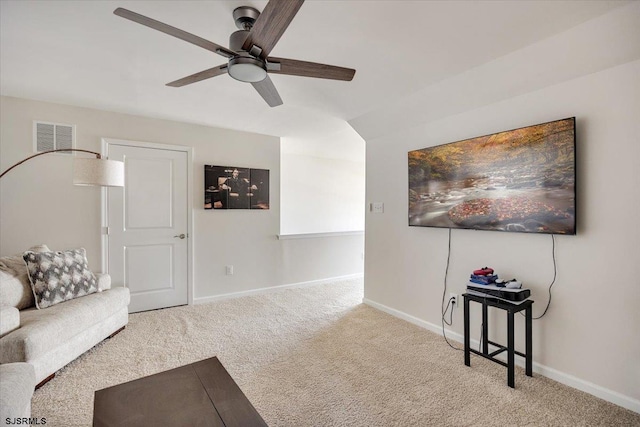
(106, 173)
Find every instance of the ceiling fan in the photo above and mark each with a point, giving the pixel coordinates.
(249, 48)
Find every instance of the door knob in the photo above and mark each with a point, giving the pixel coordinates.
(181, 236)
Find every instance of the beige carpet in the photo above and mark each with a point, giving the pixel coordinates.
(317, 356)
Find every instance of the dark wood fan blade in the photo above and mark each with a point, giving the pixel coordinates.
(268, 92)
(271, 24)
(293, 67)
(202, 75)
(175, 32)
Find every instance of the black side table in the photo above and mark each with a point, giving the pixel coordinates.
(511, 309)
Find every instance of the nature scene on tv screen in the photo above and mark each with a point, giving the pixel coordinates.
(521, 180)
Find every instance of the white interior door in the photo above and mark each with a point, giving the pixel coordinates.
(148, 226)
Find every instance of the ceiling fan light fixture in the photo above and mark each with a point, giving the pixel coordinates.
(249, 70)
(249, 48)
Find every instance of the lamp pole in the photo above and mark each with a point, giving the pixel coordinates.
(88, 171)
(98, 156)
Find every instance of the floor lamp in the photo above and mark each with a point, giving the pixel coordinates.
(88, 171)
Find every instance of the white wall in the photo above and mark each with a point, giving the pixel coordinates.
(323, 183)
(589, 337)
(40, 205)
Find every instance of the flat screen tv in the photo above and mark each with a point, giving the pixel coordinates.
(521, 180)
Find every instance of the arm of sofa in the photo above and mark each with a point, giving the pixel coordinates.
(9, 319)
(17, 381)
(104, 281)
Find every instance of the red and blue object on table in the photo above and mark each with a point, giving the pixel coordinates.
(483, 271)
(488, 279)
(484, 276)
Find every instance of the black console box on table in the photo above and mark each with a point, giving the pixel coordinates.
(506, 294)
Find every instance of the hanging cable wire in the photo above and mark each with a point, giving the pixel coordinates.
(555, 274)
(444, 292)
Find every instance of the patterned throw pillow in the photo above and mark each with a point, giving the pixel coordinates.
(59, 276)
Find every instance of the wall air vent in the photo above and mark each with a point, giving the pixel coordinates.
(53, 136)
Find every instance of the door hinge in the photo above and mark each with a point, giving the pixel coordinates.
(105, 230)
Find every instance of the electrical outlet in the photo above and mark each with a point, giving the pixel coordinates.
(453, 298)
(229, 270)
(377, 207)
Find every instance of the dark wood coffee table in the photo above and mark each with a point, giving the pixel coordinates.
(199, 394)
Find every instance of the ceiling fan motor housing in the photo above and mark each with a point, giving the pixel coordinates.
(245, 16)
(245, 67)
(237, 38)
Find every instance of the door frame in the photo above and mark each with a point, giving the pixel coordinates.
(104, 208)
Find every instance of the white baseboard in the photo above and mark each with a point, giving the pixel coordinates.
(204, 300)
(412, 319)
(561, 377)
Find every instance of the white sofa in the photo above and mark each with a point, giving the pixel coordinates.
(50, 338)
(17, 382)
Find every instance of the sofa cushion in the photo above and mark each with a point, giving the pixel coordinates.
(45, 330)
(15, 288)
(9, 319)
(104, 281)
(13, 291)
(59, 276)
